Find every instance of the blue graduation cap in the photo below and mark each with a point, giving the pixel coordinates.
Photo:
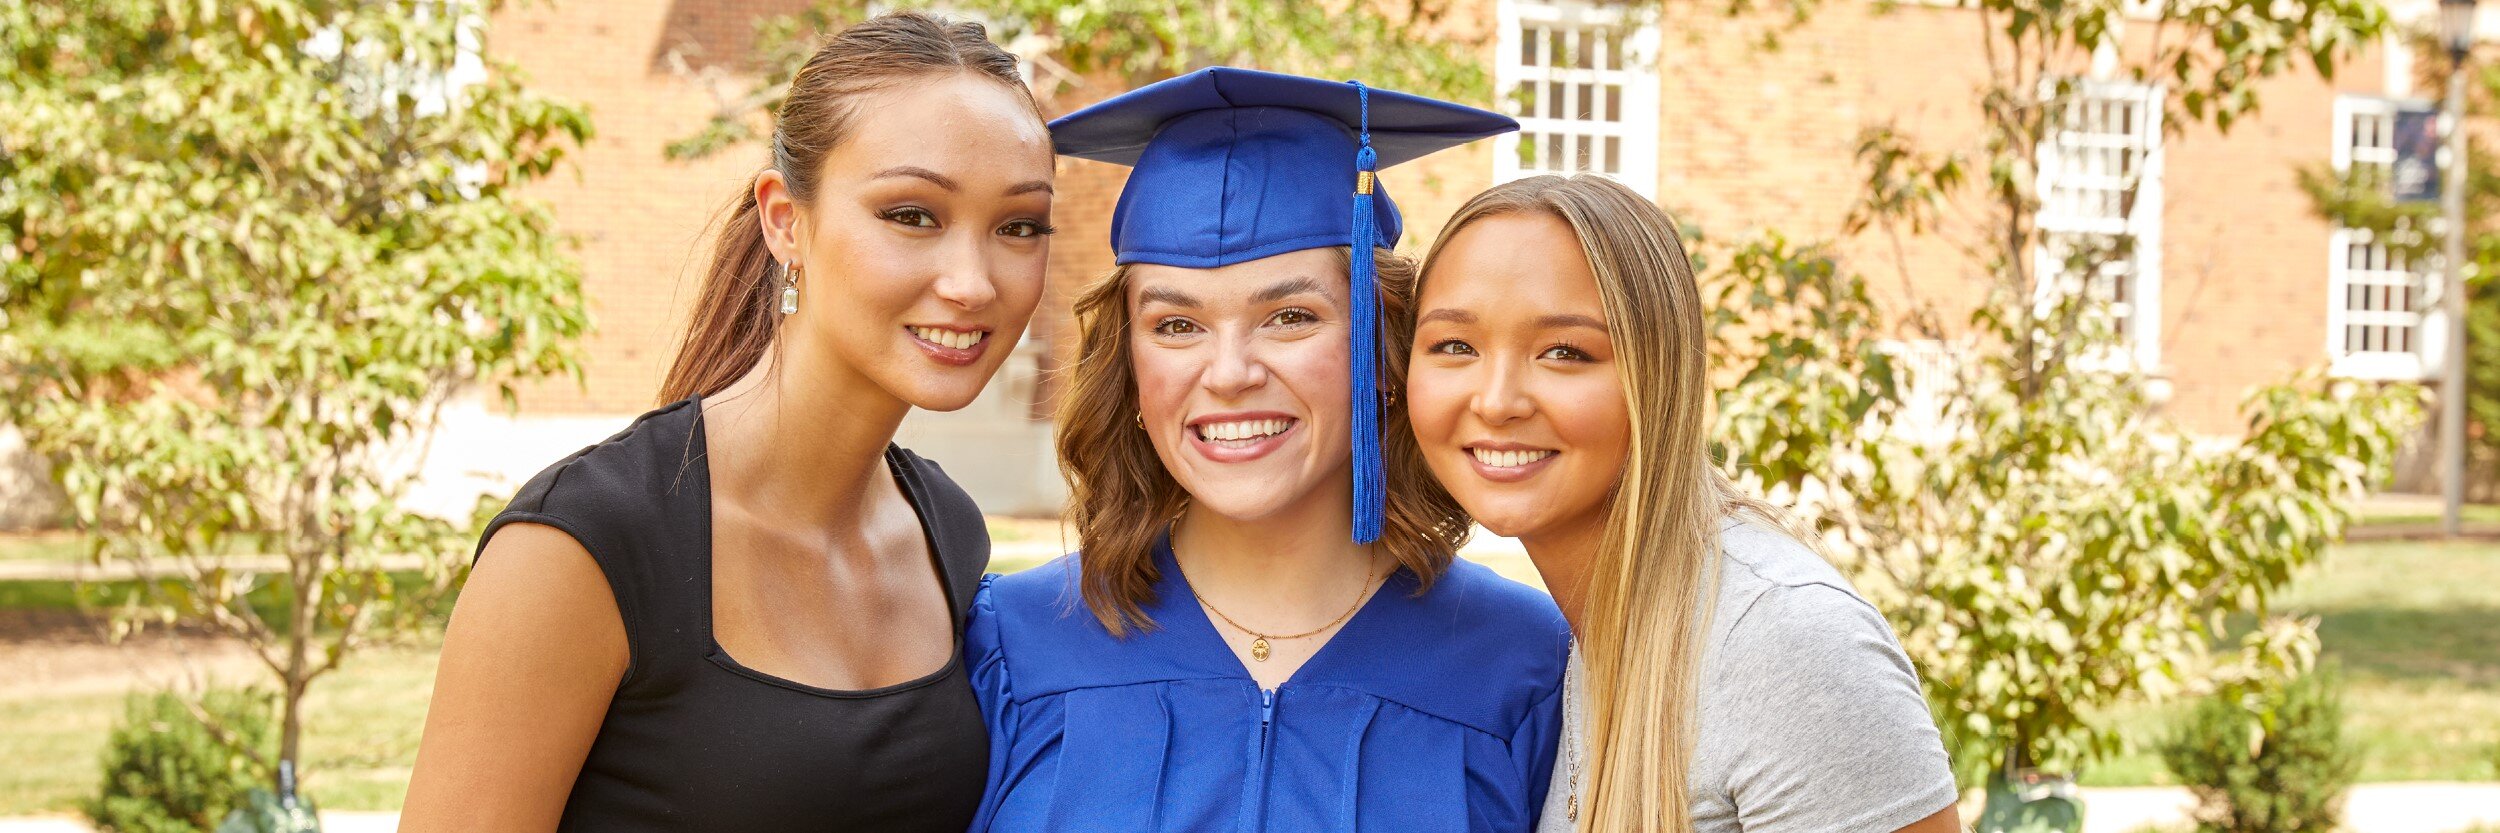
(1233, 165)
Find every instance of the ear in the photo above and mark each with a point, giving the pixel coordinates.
(778, 212)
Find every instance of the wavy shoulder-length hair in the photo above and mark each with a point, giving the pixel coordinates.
(1120, 496)
(1654, 580)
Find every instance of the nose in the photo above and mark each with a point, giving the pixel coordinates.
(1504, 398)
(1236, 367)
(964, 275)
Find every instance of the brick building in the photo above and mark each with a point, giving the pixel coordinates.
(2238, 282)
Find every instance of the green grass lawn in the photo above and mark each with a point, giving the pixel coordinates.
(365, 721)
(2413, 512)
(56, 547)
(2415, 626)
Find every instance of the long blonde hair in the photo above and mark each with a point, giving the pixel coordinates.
(1654, 581)
(1119, 494)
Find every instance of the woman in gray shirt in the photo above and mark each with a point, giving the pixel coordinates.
(1724, 678)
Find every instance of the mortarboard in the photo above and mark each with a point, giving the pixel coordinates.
(1233, 165)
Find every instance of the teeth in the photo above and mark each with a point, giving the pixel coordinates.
(1508, 459)
(1248, 429)
(947, 338)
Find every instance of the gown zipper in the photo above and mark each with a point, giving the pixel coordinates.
(1267, 714)
(1254, 803)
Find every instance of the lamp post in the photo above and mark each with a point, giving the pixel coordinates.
(2456, 31)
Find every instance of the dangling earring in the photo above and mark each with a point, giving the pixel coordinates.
(790, 288)
(1388, 397)
(1141, 420)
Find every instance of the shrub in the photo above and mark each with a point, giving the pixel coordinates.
(166, 771)
(2273, 760)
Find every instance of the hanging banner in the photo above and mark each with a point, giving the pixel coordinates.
(2415, 176)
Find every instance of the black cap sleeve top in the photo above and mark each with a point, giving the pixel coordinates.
(695, 741)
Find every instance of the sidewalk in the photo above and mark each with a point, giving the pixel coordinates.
(2372, 808)
(330, 823)
(126, 570)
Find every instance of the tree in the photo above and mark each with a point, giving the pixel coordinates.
(2359, 198)
(2046, 545)
(1407, 46)
(251, 248)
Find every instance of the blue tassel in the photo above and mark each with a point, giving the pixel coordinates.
(1370, 482)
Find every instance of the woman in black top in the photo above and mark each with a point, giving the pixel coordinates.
(742, 612)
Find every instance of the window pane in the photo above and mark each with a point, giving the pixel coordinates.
(1614, 102)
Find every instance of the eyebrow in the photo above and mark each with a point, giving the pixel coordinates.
(1288, 288)
(1165, 294)
(1549, 322)
(943, 181)
(1454, 316)
(921, 173)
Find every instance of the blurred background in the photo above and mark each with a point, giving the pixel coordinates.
(2106, 343)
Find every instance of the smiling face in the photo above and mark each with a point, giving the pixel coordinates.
(1241, 380)
(1512, 385)
(923, 245)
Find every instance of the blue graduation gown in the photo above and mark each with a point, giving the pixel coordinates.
(1424, 713)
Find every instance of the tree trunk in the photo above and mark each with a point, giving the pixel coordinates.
(303, 578)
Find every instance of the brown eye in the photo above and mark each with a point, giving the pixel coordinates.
(1175, 327)
(1027, 228)
(1452, 347)
(1565, 353)
(1293, 318)
(914, 217)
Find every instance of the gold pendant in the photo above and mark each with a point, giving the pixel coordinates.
(1571, 807)
(1258, 649)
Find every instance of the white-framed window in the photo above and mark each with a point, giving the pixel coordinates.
(1930, 374)
(2101, 197)
(2376, 296)
(1582, 80)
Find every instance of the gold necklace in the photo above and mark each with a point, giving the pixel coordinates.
(1259, 641)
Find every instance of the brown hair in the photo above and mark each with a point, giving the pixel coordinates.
(1119, 494)
(734, 319)
(1654, 582)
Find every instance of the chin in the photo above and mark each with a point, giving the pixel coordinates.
(943, 400)
(1240, 501)
(1510, 523)
(949, 389)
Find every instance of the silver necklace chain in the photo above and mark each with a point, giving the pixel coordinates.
(1572, 724)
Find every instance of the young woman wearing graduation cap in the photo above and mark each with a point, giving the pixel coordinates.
(1732, 681)
(1265, 629)
(742, 612)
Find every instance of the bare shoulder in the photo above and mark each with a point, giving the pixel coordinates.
(535, 625)
(537, 572)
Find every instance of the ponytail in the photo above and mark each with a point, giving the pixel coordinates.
(734, 319)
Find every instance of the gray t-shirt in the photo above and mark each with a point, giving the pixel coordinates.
(1811, 717)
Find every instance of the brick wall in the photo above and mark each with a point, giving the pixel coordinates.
(1753, 140)
(640, 218)
(1748, 140)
